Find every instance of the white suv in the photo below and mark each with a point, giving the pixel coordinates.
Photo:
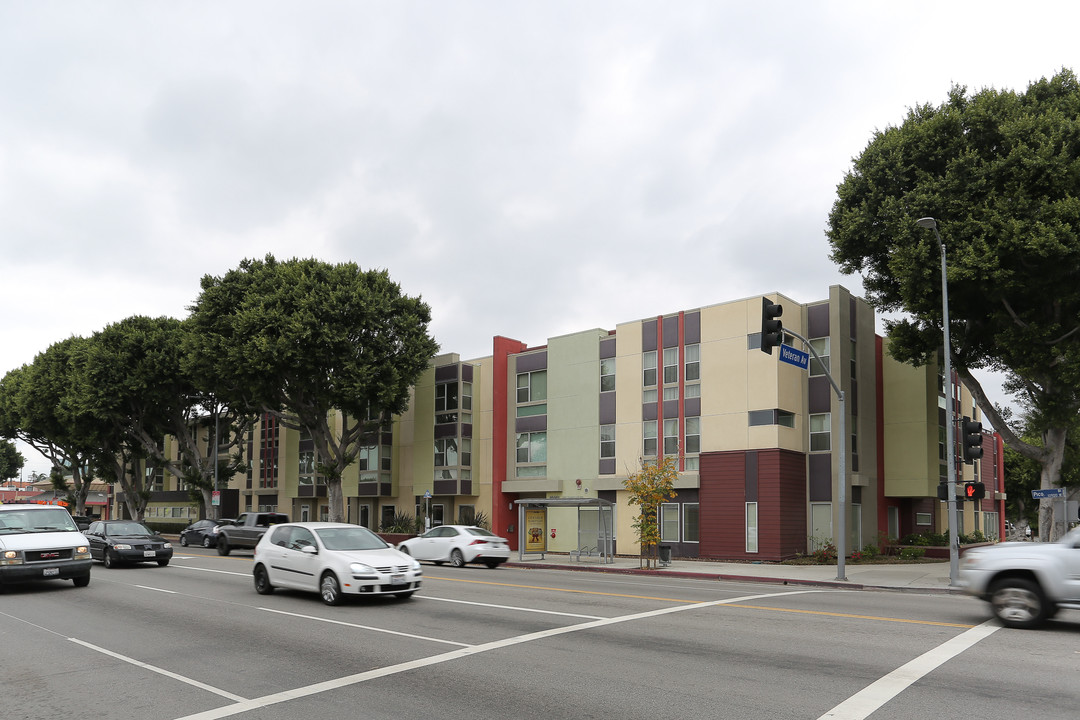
(41, 542)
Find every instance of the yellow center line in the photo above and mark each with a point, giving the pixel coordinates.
(691, 602)
(851, 615)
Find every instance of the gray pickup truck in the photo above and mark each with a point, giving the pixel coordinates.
(247, 530)
(1025, 582)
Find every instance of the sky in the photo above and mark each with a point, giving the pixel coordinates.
(530, 169)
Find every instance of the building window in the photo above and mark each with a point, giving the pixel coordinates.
(466, 451)
(922, 518)
(853, 346)
(532, 447)
(691, 464)
(446, 400)
(751, 527)
(649, 433)
(607, 441)
(649, 396)
(607, 374)
(671, 365)
(386, 517)
(648, 361)
(307, 467)
(690, 522)
(446, 452)
(671, 437)
(693, 362)
(820, 427)
(821, 347)
(671, 392)
(466, 396)
(532, 386)
(530, 410)
(692, 391)
(692, 445)
(772, 417)
(669, 522)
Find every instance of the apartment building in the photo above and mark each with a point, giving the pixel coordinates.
(756, 439)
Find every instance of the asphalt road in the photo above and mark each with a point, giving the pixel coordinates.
(193, 641)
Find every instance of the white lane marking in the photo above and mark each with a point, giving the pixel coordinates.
(210, 570)
(365, 627)
(160, 590)
(302, 692)
(510, 607)
(160, 671)
(873, 696)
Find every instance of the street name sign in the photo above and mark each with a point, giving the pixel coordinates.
(791, 356)
(1047, 494)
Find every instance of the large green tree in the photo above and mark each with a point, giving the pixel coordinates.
(38, 405)
(325, 348)
(136, 381)
(1000, 172)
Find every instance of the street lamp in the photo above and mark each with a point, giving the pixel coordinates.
(950, 450)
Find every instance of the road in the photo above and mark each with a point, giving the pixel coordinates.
(193, 641)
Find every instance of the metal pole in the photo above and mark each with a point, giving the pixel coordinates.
(841, 540)
(950, 429)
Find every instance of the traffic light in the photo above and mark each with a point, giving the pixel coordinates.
(974, 490)
(772, 330)
(972, 440)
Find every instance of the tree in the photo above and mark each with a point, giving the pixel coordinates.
(38, 405)
(648, 487)
(11, 460)
(136, 380)
(1000, 172)
(328, 349)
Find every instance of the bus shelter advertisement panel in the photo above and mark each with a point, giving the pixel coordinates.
(535, 525)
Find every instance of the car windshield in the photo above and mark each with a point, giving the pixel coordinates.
(127, 528)
(479, 531)
(57, 520)
(354, 538)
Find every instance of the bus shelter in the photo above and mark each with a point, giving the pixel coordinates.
(595, 526)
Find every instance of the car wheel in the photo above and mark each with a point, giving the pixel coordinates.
(108, 559)
(262, 581)
(206, 542)
(492, 563)
(1018, 603)
(404, 595)
(82, 580)
(439, 562)
(163, 562)
(330, 589)
(405, 550)
(457, 559)
(183, 540)
(222, 547)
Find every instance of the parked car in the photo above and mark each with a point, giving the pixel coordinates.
(203, 532)
(126, 541)
(334, 560)
(458, 545)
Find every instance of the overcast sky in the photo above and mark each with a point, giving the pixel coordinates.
(529, 168)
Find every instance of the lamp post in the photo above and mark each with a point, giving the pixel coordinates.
(950, 450)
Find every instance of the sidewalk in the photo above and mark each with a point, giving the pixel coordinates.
(922, 577)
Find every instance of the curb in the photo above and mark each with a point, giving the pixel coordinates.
(835, 584)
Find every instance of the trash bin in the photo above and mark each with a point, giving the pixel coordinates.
(665, 554)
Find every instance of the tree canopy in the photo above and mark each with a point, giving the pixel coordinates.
(1000, 172)
(11, 460)
(326, 348)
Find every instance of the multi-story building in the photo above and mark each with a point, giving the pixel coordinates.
(756, 440)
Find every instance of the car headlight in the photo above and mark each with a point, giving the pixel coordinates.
(11, 557)
(121, 546)
(361, 569)
(415, 566)
(82, 553)
(167, 545)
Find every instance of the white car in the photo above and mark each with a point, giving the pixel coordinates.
(458, 545)
(334, 560)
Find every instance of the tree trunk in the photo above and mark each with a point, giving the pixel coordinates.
(1054, 441)
(335, 499)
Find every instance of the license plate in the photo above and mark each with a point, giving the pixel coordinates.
(149, 553)
(48, 572)
(397, 579)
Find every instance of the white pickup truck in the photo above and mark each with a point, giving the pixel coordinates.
(41, 542)
(1024, 582)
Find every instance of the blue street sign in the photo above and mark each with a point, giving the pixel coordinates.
(791, 356)
(1048, 494)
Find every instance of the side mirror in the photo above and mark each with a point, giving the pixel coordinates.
(310, 550)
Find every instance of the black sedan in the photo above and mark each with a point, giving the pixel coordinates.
(202, 532)
(126, 541)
